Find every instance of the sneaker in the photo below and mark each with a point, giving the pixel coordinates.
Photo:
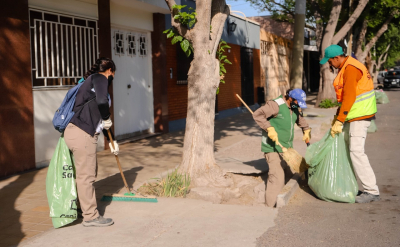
(366, 197)
(99, 221)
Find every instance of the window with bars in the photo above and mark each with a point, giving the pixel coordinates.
(119, 43)
(131, 45)
(265, 47)
(142, 46)
(63, 48)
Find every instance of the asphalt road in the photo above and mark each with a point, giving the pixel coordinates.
(308, 221)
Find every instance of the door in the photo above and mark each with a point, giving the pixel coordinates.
(246, 61)
(133, 89)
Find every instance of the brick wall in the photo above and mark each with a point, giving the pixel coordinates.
(177, 94)
(227, 92)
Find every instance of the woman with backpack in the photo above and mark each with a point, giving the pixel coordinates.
(92, 115)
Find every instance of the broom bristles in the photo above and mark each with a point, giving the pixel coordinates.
(295, 161)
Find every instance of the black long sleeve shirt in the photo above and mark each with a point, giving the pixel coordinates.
(91, 105)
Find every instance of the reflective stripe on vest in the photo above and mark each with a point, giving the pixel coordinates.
(365, 103)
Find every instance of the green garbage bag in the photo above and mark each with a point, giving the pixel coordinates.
(60, 186)
(372, 128)
(331, 176)
(381, 97)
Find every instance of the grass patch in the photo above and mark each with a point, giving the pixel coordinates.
(328, 103)
(174, 185)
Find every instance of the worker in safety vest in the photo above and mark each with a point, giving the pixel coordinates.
(355, 91)
(276, 119)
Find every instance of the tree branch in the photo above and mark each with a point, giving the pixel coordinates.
(361, 38)
(350, 22)
(288, 11)
(219, 12)
(331, 25)
(182, 29)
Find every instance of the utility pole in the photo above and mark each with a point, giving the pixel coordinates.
(296, 75)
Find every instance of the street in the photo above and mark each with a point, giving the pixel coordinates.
(308, 221)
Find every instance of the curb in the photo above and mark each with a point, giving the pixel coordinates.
(288, 190)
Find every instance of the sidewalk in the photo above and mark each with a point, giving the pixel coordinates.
(25, 210)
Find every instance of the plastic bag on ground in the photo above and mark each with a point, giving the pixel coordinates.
(60, 186)
(372, 128)
(331, 176)
(381, 97)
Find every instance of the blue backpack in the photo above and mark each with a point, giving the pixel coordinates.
(65, 112)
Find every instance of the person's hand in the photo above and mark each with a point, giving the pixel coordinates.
(336, 128)
(114, 150)
(307, 136)
(334, 120)
(106, 124)
(272, 134)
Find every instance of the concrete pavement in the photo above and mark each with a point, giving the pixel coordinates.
(25, 209)
(308, 221)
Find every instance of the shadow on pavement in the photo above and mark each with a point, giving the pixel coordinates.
(11, 233)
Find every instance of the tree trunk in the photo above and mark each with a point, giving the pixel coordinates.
(326, 90)
(198, 149)
(350, 22)
(362, 55)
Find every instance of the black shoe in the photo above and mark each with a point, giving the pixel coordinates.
(366, 197)
(99, 221)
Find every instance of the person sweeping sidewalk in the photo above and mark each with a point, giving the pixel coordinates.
(355, 91)
(276, 119)
(92, 115)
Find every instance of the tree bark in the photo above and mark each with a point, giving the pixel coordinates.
(362, 56)
(203, 80)
(326, 90)
(361, 38)
(350, 22)
(381, 60)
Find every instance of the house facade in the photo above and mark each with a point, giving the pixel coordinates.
(48, 45)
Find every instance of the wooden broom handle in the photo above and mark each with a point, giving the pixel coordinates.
(119, 164)
(248, 108)
(237, 95)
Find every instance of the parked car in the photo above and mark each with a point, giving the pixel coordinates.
(381, 76)
(392, 79)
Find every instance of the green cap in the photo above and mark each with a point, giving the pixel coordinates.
(330, 52)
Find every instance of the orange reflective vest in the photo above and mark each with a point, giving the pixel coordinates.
(365, 103)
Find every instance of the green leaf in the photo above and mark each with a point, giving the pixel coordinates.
(166, 31)
(185, 45)
(188, 52)
(222, 81)
(217, 90)
(170, 35)
(223, 57)
(225, 46)
(177, 17)
(176, 39)
(209, 52)
(222, 42)
(223, 69)
(227, 61)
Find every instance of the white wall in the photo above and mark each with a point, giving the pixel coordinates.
(126, 17)
(86, 8)
(45, 103)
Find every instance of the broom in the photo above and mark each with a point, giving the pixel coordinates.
(129, 196)
(295, 161)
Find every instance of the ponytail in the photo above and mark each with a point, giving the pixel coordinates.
(101, 65)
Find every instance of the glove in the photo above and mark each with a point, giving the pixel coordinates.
(116, 150)
(336, 128)
(334, 119)
(307, 135)
(106, 124)
(272, 134)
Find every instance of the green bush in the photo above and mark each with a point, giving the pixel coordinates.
(174, 185)
(328, 103)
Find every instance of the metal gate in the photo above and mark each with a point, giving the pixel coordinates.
(246, 62)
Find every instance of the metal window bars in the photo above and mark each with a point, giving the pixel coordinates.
(63, 50)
